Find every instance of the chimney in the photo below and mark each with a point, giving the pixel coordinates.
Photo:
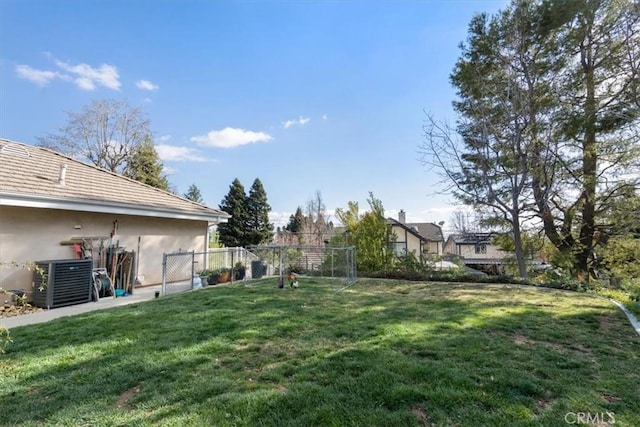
(402, 217)
(63, 175)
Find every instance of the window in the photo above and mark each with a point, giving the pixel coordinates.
(481, 249)
(400, 249)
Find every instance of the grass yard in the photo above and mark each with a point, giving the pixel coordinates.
(378, 353)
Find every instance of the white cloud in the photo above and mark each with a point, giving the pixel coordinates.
(300, 121)
(39, 77)
(86, 77)
(146, 85)
(168, 170)
(279, 219)
(325, 117)
(170, 153)
(231, 137)
(164, 138)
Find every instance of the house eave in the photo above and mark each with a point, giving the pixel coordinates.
(396, 223)
(107, 207)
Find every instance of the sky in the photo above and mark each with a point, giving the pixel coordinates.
(307, 96)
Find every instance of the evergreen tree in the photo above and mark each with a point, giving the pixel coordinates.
(259, 229)
(232, 233)
(145, 166)
(193, 194)
(296, 222)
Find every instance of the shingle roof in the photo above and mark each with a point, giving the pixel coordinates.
(425, 230)
(31, 175)
(473, 238)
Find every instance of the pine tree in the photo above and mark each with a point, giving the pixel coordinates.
(232, 233)
(296, 222)
(193, 194)
(259, 229)
(145, 166)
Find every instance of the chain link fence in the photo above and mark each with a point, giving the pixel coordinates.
(186, 270)
(336, 262)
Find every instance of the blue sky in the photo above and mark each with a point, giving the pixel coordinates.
(306, 95)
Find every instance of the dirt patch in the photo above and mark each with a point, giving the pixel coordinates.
(542, 402)
(581, 350)
(521, 340)
(421, 415)
(10, 310)
(606, 323)
(125, 398)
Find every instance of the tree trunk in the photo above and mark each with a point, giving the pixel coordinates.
(519, 247)
(589, 166)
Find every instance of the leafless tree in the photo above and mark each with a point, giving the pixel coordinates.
(316, 227)
(106, 133)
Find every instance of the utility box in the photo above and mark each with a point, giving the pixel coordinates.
(58, 283)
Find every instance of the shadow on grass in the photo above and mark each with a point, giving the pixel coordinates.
(381, 353)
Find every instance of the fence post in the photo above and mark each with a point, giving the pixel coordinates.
(332, 263)
(193, 266)
(233, 266)
(164, 273)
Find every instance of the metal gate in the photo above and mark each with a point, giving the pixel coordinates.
(180, 268)
(177, 272)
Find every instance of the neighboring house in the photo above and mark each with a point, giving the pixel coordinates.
(476, 250)
(421, 239)
(47, 198)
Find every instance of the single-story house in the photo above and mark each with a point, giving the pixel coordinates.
(476, 250)
(421, 239)
(47, 199)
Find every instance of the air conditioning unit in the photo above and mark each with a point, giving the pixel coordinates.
(62, 282)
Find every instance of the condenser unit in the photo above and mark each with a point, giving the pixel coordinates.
(62, 282)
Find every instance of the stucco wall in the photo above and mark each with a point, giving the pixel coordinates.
(469, 252)
(413, 243)
(28, 234)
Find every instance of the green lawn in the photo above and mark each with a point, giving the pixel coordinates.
(378, 353)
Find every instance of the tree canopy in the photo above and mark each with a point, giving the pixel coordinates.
(370, 233)
(548, 119)
(259, 229)
(296, 222)
(232, 233)
(249, 223)
(145, 166)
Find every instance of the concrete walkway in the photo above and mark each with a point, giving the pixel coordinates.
(139, 294)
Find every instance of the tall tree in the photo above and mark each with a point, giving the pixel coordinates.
(296, 222)
(259, 229)
(106, 133)
(498, 82)
(145, 166)
(293, 232)
(548, 118)
(233, 232)
(193, 194)
(597, 121)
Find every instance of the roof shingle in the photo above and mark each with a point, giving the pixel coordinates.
(35, 172)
